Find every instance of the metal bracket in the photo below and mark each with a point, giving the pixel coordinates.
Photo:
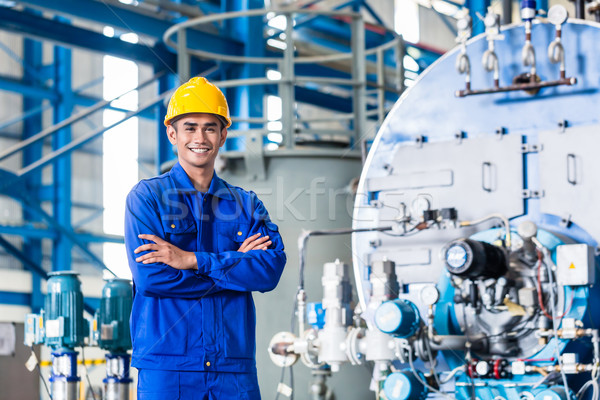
(563, 125)
(459, 136)
(532, 194)
(255, 158)
(531, 148)
(419, 140)
(500, 132)
(565, 221)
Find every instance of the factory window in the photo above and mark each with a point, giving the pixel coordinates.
(119, 143)
(406, 20)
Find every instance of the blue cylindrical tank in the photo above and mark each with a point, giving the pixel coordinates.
(113, 316)
(404, 385)
(398, 318)
(63, 321)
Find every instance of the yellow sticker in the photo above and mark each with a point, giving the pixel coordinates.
(572, 266)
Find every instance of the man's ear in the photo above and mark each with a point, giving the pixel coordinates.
(172, 134)
(223, 137)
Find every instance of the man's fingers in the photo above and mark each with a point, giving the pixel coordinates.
(153, 238)
(144, 259)
(259, 241)
(259, 246)
(250, 239)
(146, 247)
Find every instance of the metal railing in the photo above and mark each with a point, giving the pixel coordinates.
(293, 126)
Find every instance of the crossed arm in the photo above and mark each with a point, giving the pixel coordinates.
(161, 269)
(171, 255)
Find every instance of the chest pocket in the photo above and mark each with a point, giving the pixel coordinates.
(231, 235)
(182, 233)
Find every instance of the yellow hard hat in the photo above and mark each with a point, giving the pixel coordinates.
(198, 95)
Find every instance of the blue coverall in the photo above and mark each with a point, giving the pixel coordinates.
(200, 323)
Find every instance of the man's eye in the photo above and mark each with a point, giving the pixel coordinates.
(211, 130)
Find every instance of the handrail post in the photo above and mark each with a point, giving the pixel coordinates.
(358, 76)
(400, 71)
(380, 86)
(286, 87)
(183, 58)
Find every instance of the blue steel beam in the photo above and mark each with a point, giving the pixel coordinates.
(164, 150)
(12, 84)
(90, 304)
(132, 21)
(33, 58)
(61, 252)
(19, 255)
(36, 232)
(476, 9)
(29, 89)
(41, 28)
(246, 100)
(15, 298)
(76, 144)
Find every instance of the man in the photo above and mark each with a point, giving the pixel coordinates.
(197, 248)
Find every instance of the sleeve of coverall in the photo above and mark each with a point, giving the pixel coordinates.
(255, 270)
(157, 279)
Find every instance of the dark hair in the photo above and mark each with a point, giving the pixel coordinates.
(222, 120)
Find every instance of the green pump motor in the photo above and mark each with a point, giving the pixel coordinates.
(64, 325)
(111, 323)
(61, 326)
(111, 332)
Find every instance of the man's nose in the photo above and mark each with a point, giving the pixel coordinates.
(200, 135)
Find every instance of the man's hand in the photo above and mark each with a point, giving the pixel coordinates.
(255, 242)
(164, 252)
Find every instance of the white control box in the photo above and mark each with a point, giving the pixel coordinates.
(575, 265)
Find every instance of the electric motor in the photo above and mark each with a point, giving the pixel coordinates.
(405, 385)
(398, 318)
(111, 326)
(474, 259)
(64, 322)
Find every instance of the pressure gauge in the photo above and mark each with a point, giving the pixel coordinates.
(429, 295)
(456, 256)
(557, 15)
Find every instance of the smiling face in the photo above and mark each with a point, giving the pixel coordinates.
(198, 138)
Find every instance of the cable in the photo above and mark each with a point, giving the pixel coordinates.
(493, 216)
(414, 372)
(303, 239)
(87, 376)
(539, 287)
(554, 321)
(39, 367)
(431, 361)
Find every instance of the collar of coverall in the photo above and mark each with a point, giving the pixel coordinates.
(217, 187)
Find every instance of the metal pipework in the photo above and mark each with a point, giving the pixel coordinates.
(64, 379)
(463, 64)
(337, 295)
(528, 11)
(117, 381)
(528, 230)
(111, 330)
(557, 15)
(490, 58)
(576, 333)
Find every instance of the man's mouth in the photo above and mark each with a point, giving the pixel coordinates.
(198, 150)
